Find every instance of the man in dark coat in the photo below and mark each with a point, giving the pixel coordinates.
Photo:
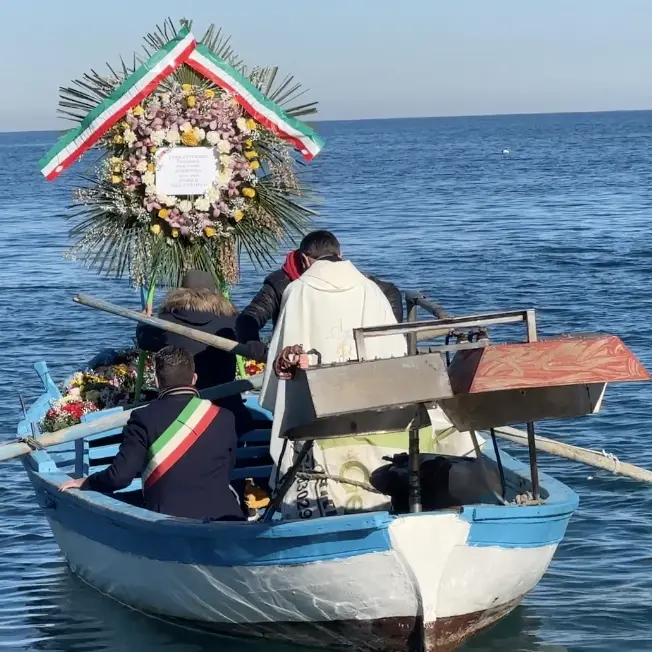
(266, 304)
(197, 304)
(183, 447)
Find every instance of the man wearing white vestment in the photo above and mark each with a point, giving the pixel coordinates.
(319, 312)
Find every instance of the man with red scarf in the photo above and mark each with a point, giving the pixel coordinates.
(266, 304)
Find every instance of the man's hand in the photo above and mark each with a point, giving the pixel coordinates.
(149, 311)
(291, 358)
(72, 484)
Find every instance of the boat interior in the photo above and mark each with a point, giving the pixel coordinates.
(466, 385)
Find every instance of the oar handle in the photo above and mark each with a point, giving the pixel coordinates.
(215, 341)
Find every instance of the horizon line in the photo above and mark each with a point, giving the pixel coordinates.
(415, 117)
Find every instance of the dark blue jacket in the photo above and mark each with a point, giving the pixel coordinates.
(197, 486)
(213, 367)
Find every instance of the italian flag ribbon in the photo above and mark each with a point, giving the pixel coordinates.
(254, 102)
(141, 83)
(178, 438)
(183, 49)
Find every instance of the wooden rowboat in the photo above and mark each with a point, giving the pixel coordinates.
(369, 581)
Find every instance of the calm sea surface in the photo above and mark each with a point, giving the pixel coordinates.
(562, 224)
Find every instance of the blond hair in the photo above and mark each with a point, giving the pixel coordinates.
(198, 300)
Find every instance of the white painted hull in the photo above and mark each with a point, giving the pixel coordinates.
(373, 601)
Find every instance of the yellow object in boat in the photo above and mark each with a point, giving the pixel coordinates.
(255, 497)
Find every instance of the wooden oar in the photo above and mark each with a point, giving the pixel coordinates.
(599, 460)
(216, 341)
(17, 448)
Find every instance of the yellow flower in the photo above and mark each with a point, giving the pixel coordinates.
(117, 169)
(251, 153)
(151, 167)
(210, 232)
(249, 192)
(187, 88)
(248, 142)
(153, 149)
(254, 165)
(155, 229)
(175, 233)
(209, 93)
(191, 100)
(190, 139)
(138, 111)
(164, 213)
(237, 214)
(116, 160)
(116, 178)
(251, 124)
(118, 139)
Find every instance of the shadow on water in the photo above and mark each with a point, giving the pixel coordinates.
(515, 633)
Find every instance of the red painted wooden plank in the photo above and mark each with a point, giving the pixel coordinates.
(548, 363)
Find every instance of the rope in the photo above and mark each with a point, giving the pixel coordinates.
(314, 475)
(612, 457)
(32, 442)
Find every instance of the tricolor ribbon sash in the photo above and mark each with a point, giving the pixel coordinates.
(178, 438)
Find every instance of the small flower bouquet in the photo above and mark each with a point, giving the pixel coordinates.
(67, 411)
(106, 386)
(252, 368)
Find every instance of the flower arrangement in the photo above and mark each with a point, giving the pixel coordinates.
(91, 390)
(252, 368)
(255, 202)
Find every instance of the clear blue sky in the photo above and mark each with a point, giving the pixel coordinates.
(361, 58)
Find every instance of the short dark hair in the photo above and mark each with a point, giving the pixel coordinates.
(174, 367)
(319, 244)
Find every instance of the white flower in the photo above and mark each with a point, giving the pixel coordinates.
(168, 200)
(141, 166)
(202, 204)
(224, 176)
(186, 126)
(242, 124)
(165, 98)
(224, 146)
(226, 161)
(213, 193)
(199, 133)
(150, 190)
(173, 136)
(158, 137)
(129, 137)
(185, 206)
(149, 179)
(213, 138)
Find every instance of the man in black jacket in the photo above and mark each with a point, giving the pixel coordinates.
(183, 447)
(197, 304)
(266, 304)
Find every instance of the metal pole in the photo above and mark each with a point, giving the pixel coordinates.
(532, 449)
(531, 325)
(412, 310)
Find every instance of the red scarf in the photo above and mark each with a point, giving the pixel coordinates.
(293, 265)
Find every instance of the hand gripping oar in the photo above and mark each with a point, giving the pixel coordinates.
(216, 341)
(23, 446)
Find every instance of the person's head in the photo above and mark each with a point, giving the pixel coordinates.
(198, 301)
(174, 367)
(197, 279)
(319, 245)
